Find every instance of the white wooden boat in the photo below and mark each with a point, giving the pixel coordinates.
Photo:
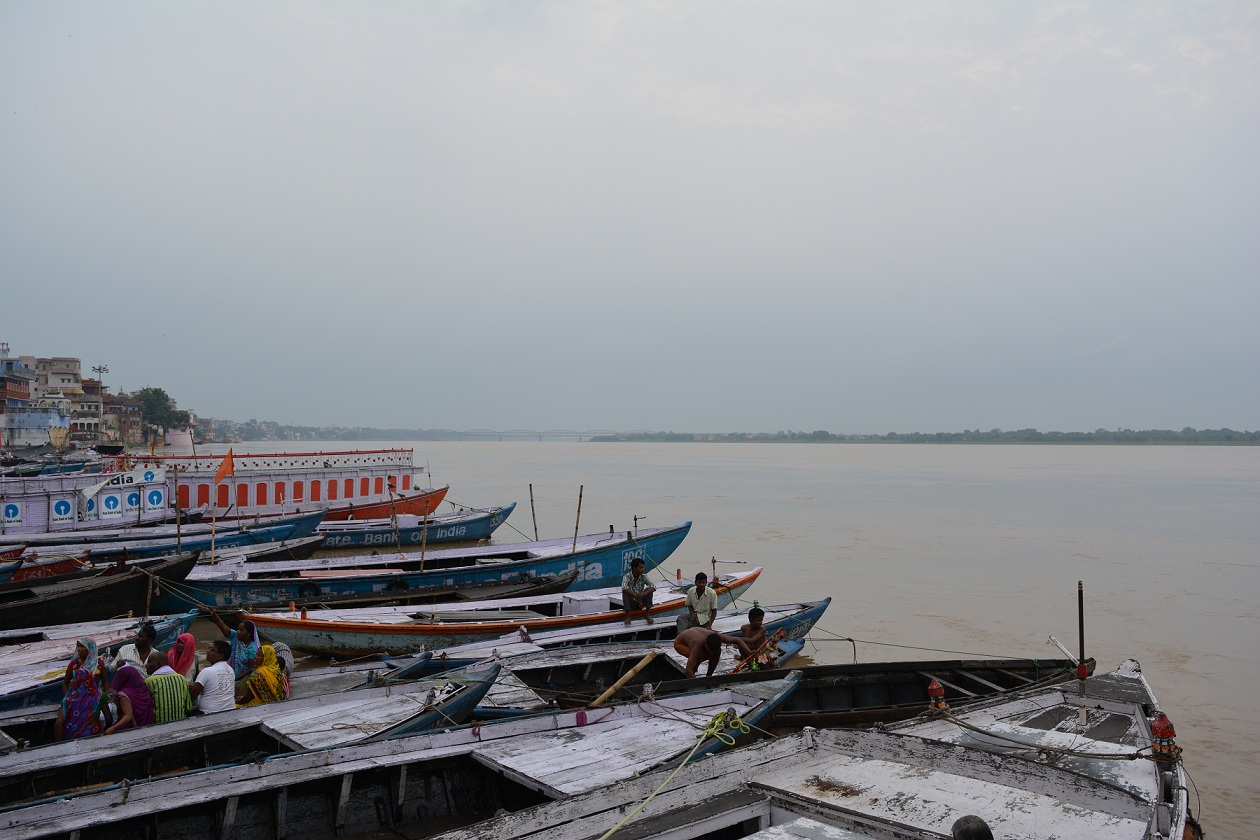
(1023, 764)
(453, 775)
(398, 630)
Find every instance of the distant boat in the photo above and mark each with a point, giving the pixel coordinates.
(412, 530)
(359, 484)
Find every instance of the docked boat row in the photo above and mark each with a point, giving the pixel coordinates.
(137, 490)
(508, 690)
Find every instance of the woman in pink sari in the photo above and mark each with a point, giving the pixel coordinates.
(182, 657)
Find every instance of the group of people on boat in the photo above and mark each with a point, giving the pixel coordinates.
(141, 685)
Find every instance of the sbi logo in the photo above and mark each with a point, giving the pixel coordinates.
(148, 475)
(11, 511)
(155, 498)
(111, 502)
(133, 499)
(92, 504)
(62, 508)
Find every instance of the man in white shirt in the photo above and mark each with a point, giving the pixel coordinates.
(215, 688)
(136, 653)
(701, 606)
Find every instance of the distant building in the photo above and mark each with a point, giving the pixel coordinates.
(121, 414)
(27, 416)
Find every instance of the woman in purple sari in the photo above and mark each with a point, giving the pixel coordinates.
(135, 703)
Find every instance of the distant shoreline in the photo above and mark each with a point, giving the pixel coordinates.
(1153, 437)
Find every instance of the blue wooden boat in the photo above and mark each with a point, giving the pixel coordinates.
(599, 559)
(229, 536)
(7, 569)
(462, 526)
(63, 468)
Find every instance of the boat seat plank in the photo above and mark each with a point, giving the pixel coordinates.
(1017, 677)
(952, 685)
(562, 764)
(968, 675)
(344, 723)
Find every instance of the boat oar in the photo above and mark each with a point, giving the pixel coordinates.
(643, 663)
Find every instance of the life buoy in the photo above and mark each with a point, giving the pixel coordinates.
(308, 590)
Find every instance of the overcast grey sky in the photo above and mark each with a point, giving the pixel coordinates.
(693, 216)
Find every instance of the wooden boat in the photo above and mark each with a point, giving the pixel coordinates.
(288, 528)
(491, 590)
(441, 777)
(601, 560)
(12, 553)
(7, 568)
(872, 693)
(409, 529)
(49, 503)
(192, 524)
(247, 734)
(574, 675)
(35, 659)
(362, 484)
(98, 597)
(1053, 779)
(397, 630)
(283, 551)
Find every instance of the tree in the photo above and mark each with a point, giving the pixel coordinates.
(158, 409)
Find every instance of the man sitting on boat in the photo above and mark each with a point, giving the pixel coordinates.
(171, 699)
(701, 605)
(699, 644)
(636, 591)
(135, 653)
(215, 689)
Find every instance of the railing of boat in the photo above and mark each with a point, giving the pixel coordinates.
(283, 460)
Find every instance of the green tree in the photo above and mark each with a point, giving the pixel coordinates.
(158, 409)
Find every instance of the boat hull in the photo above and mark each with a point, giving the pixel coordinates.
(346, 639)
(598, 567)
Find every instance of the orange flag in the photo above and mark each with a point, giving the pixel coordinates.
(226, 468)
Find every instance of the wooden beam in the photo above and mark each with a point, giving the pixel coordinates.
(343, 801)
(229, 817)
(280, 813)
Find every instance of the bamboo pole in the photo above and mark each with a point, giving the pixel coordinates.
(578, 523)
(533, 514)
(615, 687)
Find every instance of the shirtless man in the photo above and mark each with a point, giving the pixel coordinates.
(699, 644)
(753, 632)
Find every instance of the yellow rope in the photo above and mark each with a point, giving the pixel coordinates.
(720, 721)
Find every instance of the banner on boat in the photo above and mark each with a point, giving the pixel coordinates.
(111, 505)
(62, 511)
(126, 479)
(12, 513)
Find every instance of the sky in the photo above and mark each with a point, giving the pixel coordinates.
(675, 216)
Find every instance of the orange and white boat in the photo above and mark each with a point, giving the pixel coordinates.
(359, 484)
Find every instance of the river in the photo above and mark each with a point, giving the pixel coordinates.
(936, 550)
